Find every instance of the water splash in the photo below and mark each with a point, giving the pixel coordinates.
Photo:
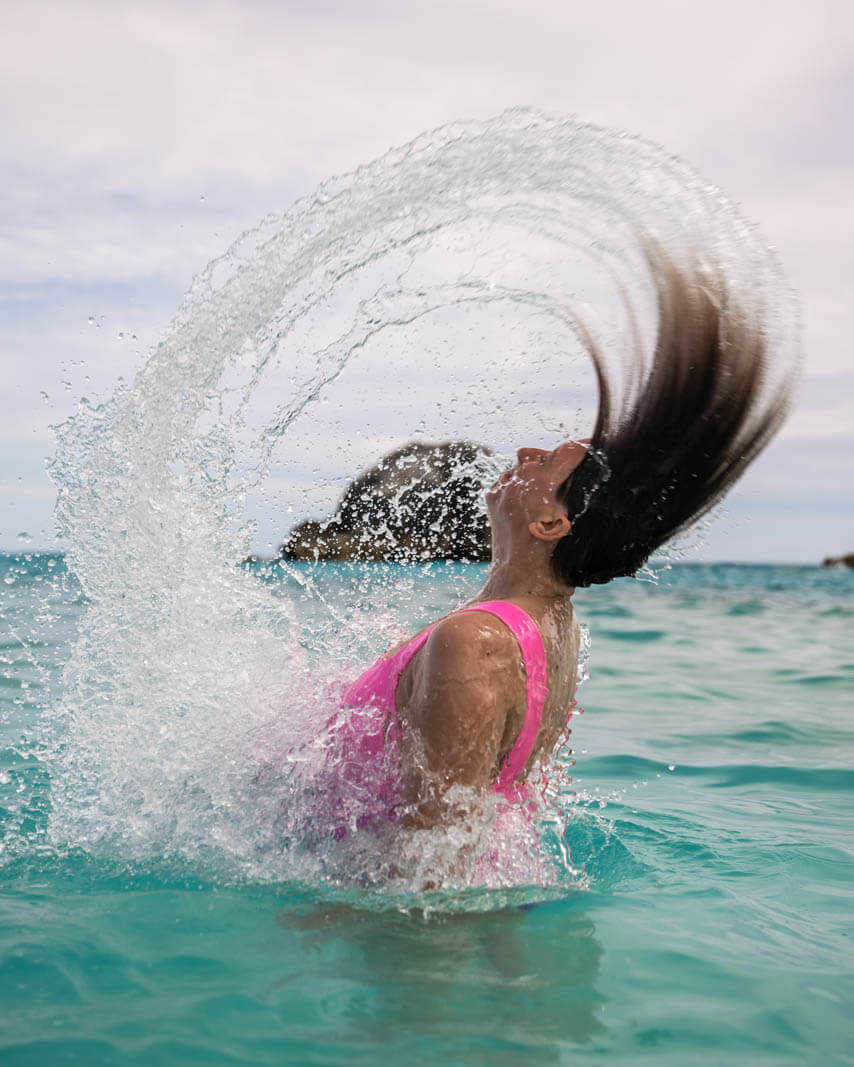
(434, 293)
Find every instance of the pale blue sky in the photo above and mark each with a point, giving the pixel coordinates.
(141, 138)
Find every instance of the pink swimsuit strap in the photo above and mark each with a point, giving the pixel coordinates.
(527, 634)
(378, 684)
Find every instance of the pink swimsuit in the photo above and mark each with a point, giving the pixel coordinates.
(370, 737)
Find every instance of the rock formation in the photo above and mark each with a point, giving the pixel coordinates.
(420, 502)
(839, 561)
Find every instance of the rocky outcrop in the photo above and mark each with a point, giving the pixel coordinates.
(839, 561)
(420, 502)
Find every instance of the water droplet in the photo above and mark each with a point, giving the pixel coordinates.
(671, 766)
(23, 538)
(91, 320)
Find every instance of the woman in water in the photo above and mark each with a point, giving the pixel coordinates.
(483, 695)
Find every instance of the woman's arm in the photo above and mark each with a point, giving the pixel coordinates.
(461, 709)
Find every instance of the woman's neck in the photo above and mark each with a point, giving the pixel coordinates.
(514, 579)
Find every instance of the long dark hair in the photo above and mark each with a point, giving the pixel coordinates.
(682, 433)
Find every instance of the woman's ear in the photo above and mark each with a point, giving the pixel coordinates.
(552, 529)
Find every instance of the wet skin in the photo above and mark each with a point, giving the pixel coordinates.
(462, 698)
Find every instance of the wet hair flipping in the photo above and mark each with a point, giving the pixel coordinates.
(682, 434)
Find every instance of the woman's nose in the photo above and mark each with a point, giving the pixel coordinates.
(524, 454)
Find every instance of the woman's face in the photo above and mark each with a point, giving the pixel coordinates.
(528, 491)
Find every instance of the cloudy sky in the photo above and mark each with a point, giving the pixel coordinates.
(141, 138)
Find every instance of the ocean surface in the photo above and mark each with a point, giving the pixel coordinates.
(703, 916)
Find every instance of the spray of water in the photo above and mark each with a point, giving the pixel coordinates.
(434, 294)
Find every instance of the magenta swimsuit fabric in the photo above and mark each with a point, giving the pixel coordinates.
(369, 737)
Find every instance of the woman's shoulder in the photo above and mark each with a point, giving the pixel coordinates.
(472, 628)
(469, 667)
(472, 638)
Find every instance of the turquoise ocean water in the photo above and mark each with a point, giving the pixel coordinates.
(705, 917)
